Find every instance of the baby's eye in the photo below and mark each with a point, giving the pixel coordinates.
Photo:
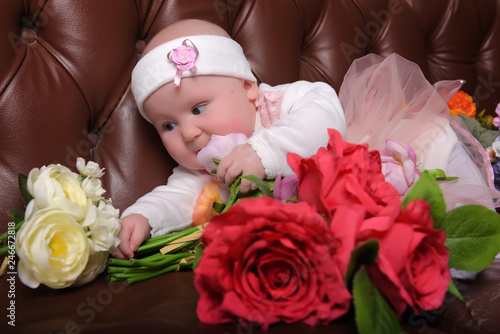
(199, 109)
(169, 126)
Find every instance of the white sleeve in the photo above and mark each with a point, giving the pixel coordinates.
(170, 207)
(308, 110)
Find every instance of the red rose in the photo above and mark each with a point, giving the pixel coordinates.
(412, 265)
(267, 262)
(342, 174)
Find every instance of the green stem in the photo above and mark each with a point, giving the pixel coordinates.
(138, 270)
(118, 262)
(159, 242)
(4, 251)
(125, 275)
(5, 235)
(112, 279)
(129, 270)
(157, 256)
(167, 259)
(134, 277)
(139, 278)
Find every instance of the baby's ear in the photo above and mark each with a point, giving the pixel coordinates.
(251, 88)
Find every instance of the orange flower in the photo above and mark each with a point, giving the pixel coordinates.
(461, 104)
(203, 210)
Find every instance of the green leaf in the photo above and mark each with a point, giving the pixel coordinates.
(218, 207)
(234, 191)
(472, 237)
(427, 189)
(365, 254)
(373, 314)
(263, 189)
(23, 187)
(452, 288)
(262, 185)
(440, 175)
(16, 216)
(484, 136)
(198, 252)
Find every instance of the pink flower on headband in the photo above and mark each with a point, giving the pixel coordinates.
(183, 57)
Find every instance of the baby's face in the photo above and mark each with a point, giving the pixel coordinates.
(187, 116)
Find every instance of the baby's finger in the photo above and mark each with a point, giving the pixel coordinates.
(118, 254)
(135, 241)
(124, 246)
(222, 169)
(245, 186)
(232, 173)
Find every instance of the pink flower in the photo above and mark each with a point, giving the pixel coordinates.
(285, 188)
(496, 120)
(218, 148)
(399, 165)
(184, 58)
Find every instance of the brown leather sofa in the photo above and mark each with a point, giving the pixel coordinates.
(65, 92)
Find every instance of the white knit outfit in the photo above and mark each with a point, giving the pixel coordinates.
(291, 118)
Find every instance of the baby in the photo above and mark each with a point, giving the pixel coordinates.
(193, 82)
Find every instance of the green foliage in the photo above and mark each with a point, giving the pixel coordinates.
(472, 237)
(485, 136)
(373, 314)
(198, 253)
(426, 188)
(452, 288)
(364, 254)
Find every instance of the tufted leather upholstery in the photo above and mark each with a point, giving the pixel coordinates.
(65, 70)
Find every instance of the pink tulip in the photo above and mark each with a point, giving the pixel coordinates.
(285, 188)
(218, 148)
(399, 165)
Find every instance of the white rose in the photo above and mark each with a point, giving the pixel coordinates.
(56, 186)
(52, 249)
(104, 232)
(496, 148)
(96, 265)
(93, 188)
(91, 169)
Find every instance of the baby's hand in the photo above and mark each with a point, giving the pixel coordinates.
(241, 161)
(135, 229)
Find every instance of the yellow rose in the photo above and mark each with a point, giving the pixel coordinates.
(96, 265)
(52, 249)
(56, 186)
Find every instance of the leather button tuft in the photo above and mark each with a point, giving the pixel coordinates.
(28, 36)
(140, 45)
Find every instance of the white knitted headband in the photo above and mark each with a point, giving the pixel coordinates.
(185, 57)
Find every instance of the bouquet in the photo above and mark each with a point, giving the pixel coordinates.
(332, 237)
(68, 229)
(344, 239)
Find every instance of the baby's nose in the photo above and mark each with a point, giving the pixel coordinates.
(190, 132)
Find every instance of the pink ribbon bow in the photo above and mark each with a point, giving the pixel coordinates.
(184, 58)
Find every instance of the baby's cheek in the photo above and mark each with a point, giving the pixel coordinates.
(241, 125)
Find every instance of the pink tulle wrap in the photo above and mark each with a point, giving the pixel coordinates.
(389, 98)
